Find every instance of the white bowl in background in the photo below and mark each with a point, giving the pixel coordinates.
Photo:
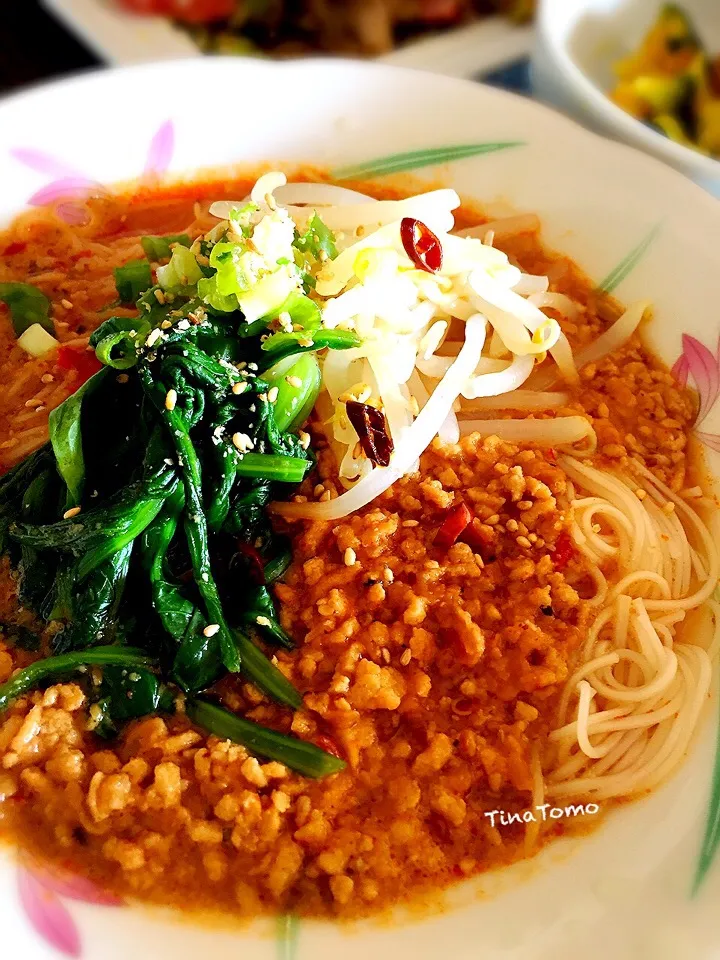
(577, 43)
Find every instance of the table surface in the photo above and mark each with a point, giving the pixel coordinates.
(35, 47)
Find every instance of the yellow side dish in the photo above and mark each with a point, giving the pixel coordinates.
(672, 83)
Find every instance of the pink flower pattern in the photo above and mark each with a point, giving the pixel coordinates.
(700, 365)
(41, 891)
(70, 186)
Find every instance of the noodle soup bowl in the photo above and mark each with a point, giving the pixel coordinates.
(643, 883)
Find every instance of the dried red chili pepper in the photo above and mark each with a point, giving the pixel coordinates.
(255, 562)
(564, 551)
(83, 362)
(16, 247)
(328, 745)
(372, 429)
(421, 245)
(455, 522)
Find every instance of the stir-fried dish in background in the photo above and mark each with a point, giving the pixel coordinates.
(672, 82)
(335, 26)
(492, 588)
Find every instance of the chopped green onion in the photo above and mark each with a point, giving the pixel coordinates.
(182, 273)
(297, 754)
(318, 239)
(132, 279)
(27, 305)
(158, 248)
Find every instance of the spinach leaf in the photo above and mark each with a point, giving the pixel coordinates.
(98, 534)
(66, 437)
(259, 612)
(94, 604)
(129, 658)
(124, 695)
(28, 305)
(21, 637)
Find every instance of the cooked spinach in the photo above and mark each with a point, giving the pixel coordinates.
(144, 520)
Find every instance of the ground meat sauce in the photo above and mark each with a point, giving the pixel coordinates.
(431, 652)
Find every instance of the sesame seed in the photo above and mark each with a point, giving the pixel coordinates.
(263, 622)
(211, 629)
(523, 542)
(239, 388)
(170, 399)
(325, 497)
(263, 397)
(304, 439)
(160, 296)
(640, 493)
(319, 489)
(414, 406)
(72, 512)
(294, 382)
(202, 259)
(272, 394)
(388, 575)
(166, 324)
(491, 521)
(411, 523)
(406, 657)
(243, 442)
(122, 378)
(67, 304)
(35, 402)
(47, 378)
(385, 654)
(153, 337)
(350, 557)
(305, 343)
(669, 508)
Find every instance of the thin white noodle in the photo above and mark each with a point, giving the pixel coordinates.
(628, 712)
(557, 432)
(516, 400)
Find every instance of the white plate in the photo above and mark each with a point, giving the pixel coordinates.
(120, 38)
(624, 891)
